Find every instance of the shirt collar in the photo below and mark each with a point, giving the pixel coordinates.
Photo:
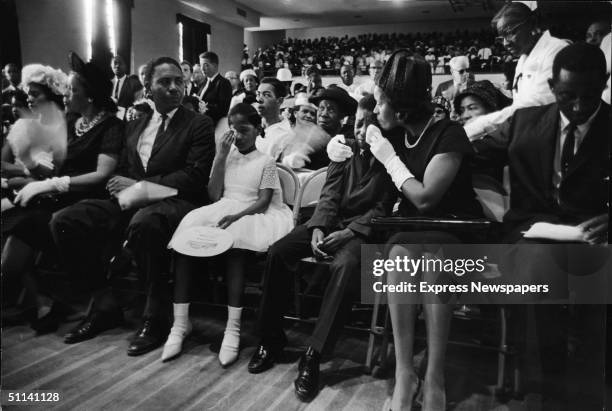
(213, 77)
(582, 128)
(157, 115)
(541, 43)
(120, 78)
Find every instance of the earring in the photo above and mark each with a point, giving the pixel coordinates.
(90, 100)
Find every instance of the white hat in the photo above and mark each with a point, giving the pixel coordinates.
(284, 74)
(301, 99)
(459, 62)
(247, 72)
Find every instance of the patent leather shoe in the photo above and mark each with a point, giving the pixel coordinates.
(151, 335)
(95, 323)
(307, 383)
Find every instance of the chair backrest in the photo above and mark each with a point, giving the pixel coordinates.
(310, 191)
(289, 184)
(492, 196)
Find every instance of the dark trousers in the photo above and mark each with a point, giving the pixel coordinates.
(88, 233)
(344, 284)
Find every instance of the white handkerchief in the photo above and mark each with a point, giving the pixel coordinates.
(556, 232)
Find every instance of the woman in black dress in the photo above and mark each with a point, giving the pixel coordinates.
(427, 161)
(93, 146)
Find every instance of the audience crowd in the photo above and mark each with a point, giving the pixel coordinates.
(137, 164)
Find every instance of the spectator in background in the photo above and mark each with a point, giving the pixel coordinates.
(270, 95)
(459, 67)
(304, 110)
(484, 57)
(126, 87)
(596, 32)
(11, 77)
(248, 79)
(198, 77)
(367, 87)
(284, 76)
(606, 47)
(314, 80)
(187, 75)
(347, 75)
(522, 36)
(234, 80)
(478, 99)
(442, 108)
(217, 92)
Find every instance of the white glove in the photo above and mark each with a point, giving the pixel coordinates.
(382, 149)
(338, 151)
(295, 160)
(33, 189)
(44, 159)
(373, 134)
(4, 183)
(384, 152)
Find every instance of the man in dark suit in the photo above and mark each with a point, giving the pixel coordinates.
(559, 158)
(191, 89)
(172, 147)
(217, 92)
(356, 190)
(459, 66)
(125, 87)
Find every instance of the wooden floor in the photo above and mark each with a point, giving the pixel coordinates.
(97, 374)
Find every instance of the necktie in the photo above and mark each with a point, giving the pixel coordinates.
(116, 92)
(567, 152)
(162, 126)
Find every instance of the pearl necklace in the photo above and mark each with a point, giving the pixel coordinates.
(416, 143)
(82, 126)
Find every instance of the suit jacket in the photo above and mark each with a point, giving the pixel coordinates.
(128, 91)
(447, 90)
(354, 192)
(180, 158)
(218, 96)
(531, 136)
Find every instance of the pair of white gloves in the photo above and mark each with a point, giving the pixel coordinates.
(50, 185)
(381, 149)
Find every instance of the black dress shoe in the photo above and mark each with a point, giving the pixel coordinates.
(94, 324)
(50, 322)
(152, 334)
(307, 383)
(263, 359)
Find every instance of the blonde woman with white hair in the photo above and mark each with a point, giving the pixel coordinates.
(249, 81)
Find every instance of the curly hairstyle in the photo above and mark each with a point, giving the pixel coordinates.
(53, 82)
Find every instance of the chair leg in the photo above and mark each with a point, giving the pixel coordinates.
(297, 295)
(503, 350)
(369, 363)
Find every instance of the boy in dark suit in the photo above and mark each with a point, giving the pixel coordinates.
(172, 147)
(356, 190)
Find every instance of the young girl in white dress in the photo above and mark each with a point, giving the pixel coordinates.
(246, 197)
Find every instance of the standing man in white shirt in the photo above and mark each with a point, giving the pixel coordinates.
(518, 25)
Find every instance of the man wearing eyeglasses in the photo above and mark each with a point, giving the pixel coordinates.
(519, 30)
(460, 66)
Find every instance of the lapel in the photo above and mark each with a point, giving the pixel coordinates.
(545, 139)
(132, 141)
(589, 144)
(125, 87)
(175, 123)
(211, 86)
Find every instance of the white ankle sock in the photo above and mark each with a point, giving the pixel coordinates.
(180, 328)
(231, 338)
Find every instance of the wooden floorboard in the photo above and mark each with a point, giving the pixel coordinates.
(98, 375)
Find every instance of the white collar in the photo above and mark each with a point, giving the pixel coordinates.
(540, 44)
(157, 115)
(582, 128)
(120, 78)
(213, 77)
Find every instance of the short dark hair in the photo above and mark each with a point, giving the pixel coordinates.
(279, 88)
(247, 111)
(188, 64)
(516, 12)
(312, 70)
(210, 56)
(580, 58)
(118, 58)
(151, 65)
(367, 102)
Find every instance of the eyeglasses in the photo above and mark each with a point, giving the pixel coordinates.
(510, 33)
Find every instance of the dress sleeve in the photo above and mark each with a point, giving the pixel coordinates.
(454, 140)
(112, 141)
(269, 176)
